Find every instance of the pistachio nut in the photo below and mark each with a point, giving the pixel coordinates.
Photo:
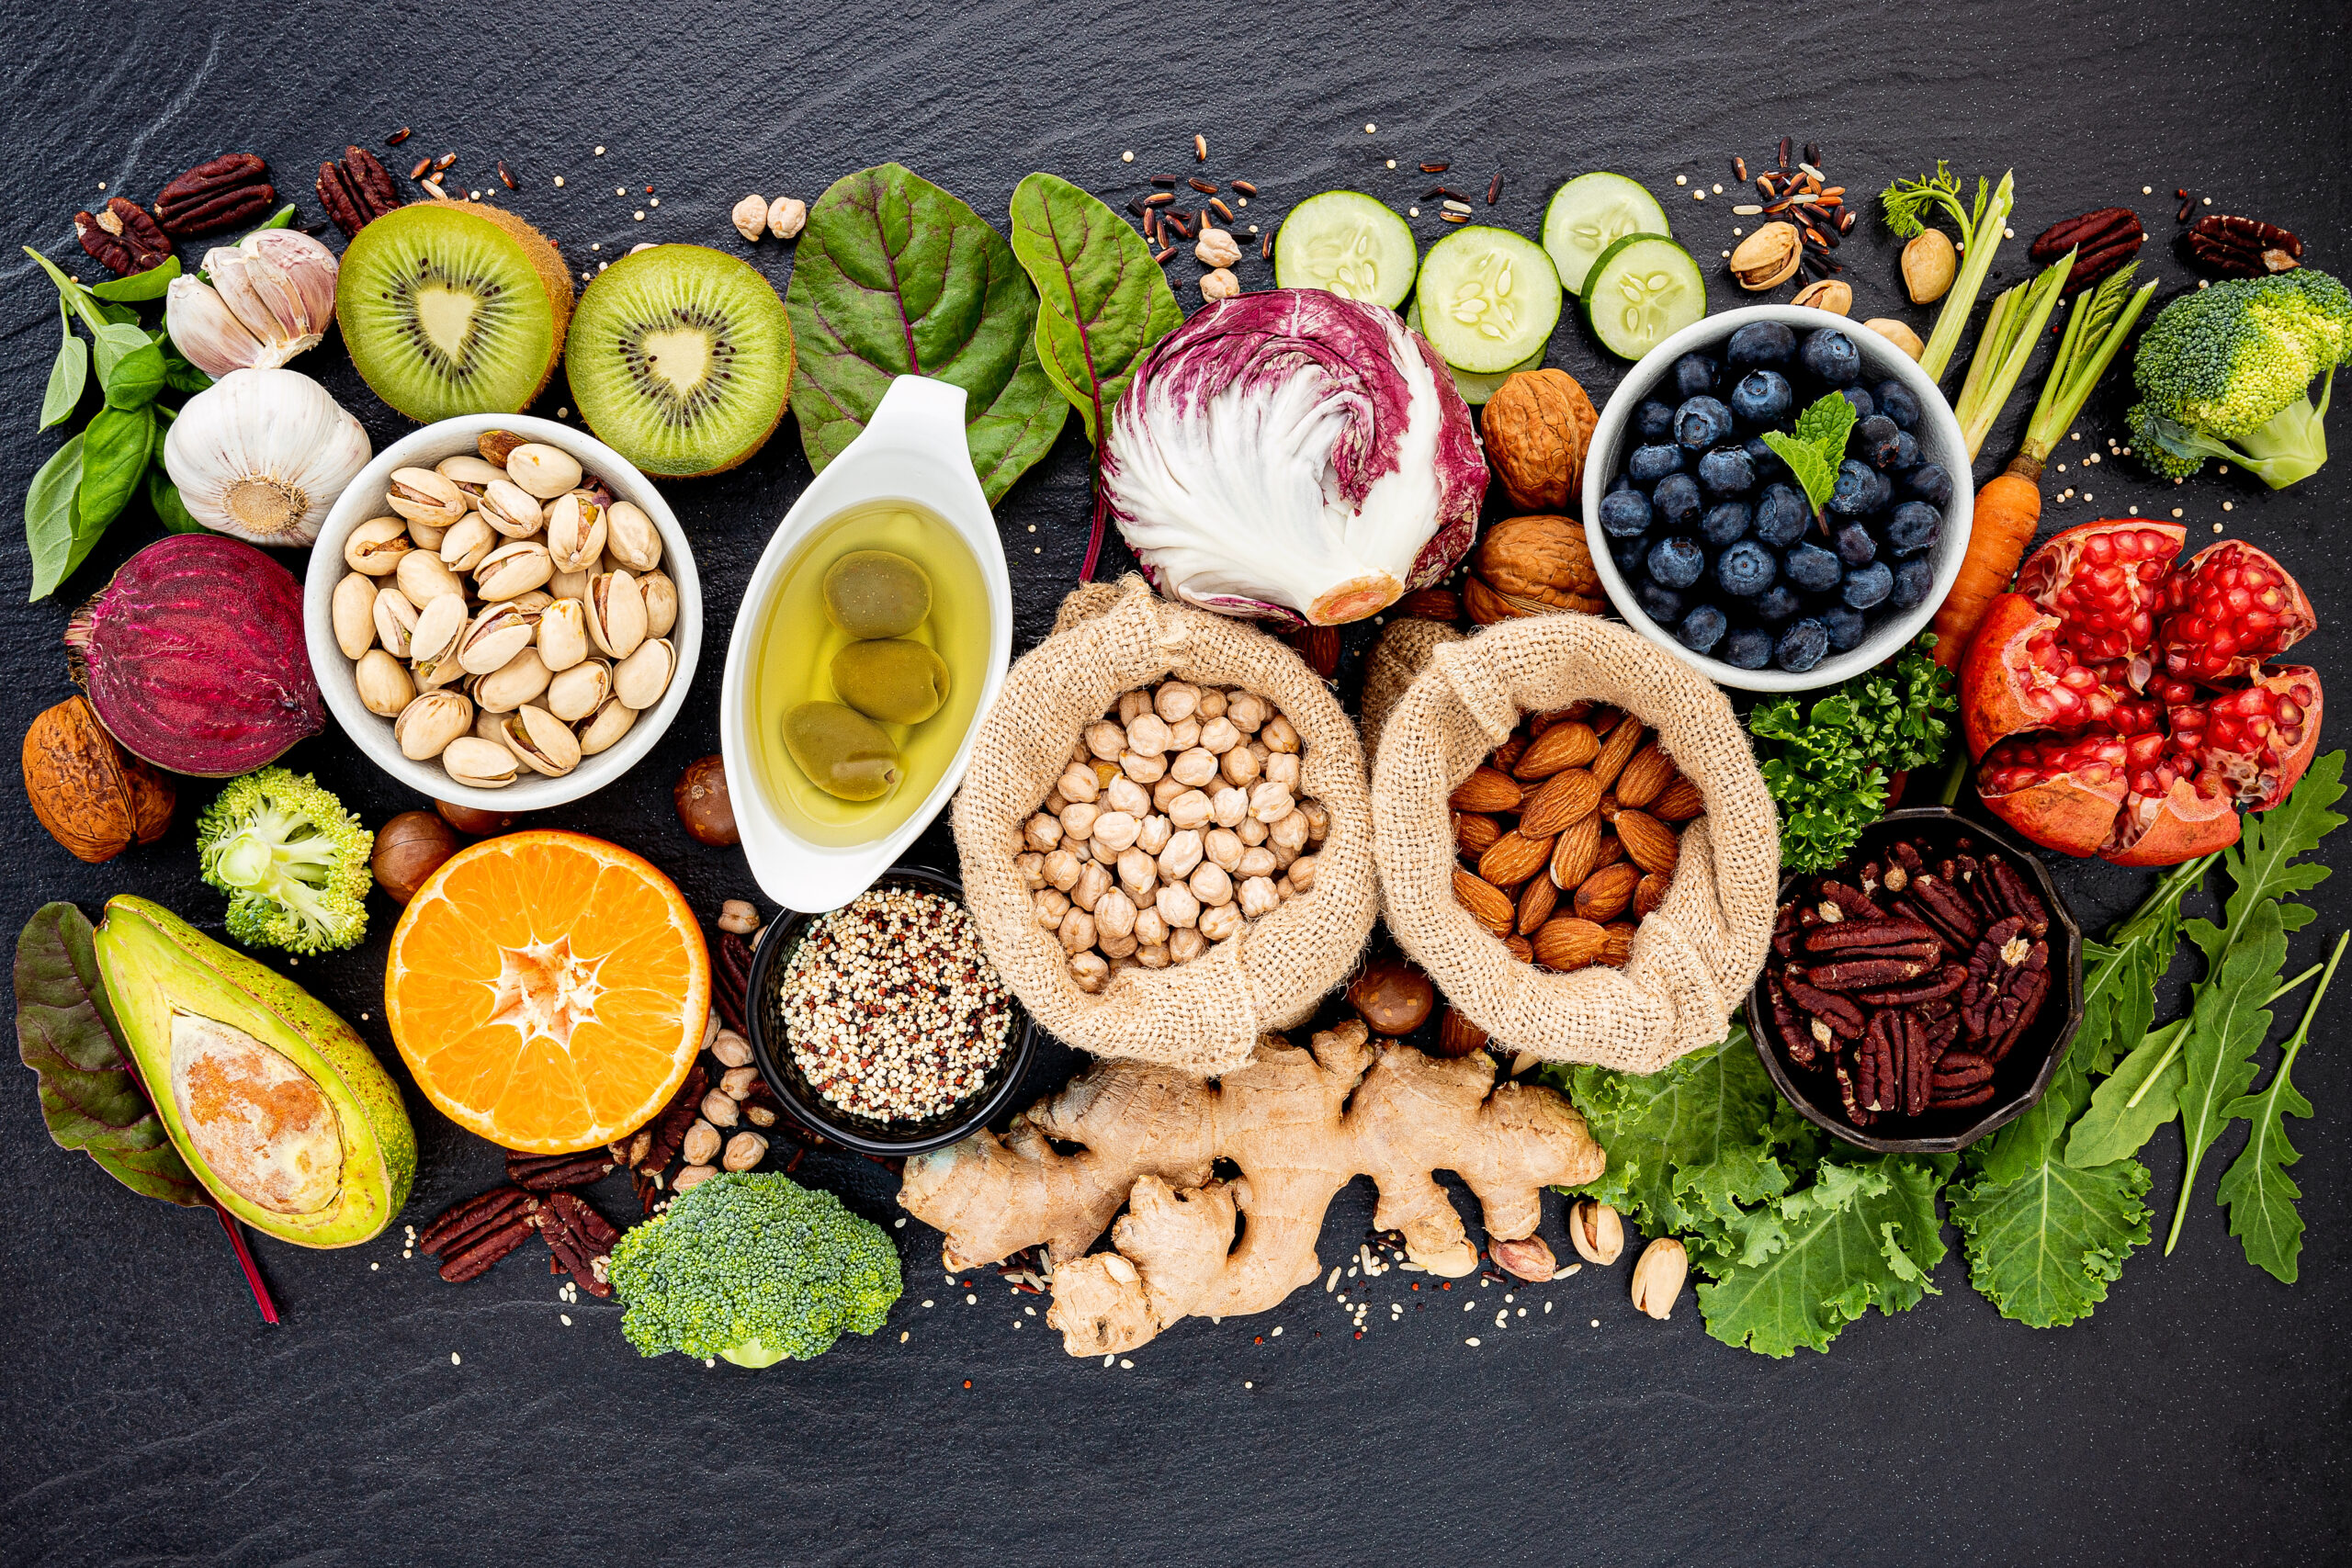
(395, 621)
(428, 724)
(1768, 258)
(376, 545)
(423, 496)
(1834, 295)
(512, 569)
(544, 742)
(468, 473)
(1897, 333)
(511, 510)
(484, 764)
(563, 634)
(468, 540)
(641, 678)
(572, 585)
(1657, 1278)
(384, 685)
(497, 634)
(1595, 1231)
(603, 731)
(497, 446)
(543, 470)
(615, 612)
(443, 670)
(533, 604)
(424, 577)
(429, 535)
(518, 681)
(577, 692)
(575, 531)
(1930, 264)
(660, 597)
(486, 726)
(631, 538)
(591, 487)
(354, 613)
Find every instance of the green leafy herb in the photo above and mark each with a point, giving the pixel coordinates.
(2257, 1190)
(2226, 1024)
(1907, 206)
(139, 286)
(1828, 765)
(894, 276)
(170, 510)
(115, 450)
(1817, 447)
(68, 373)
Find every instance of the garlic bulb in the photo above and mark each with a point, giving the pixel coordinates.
(263, 454)
(271, 297)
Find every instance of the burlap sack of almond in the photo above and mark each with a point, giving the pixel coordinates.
(1251, 950)
(1705, 897)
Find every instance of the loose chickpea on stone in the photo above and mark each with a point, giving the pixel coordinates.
(731, 1049)
(701, 1144)
(739, 916)
(745, 1150)
(737, 1083)
(1219, 282)
(720, 1109)
(1216, 247)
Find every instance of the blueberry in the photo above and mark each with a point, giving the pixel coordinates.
(1628, 554)
(1913, 527)
(1652, 463)
(1762, 398)
(1876, 441)
(1907, 453)
(1867, 586)
(1676, 563)
(1929, 482)
(1702, 423)
(1859, 490)
(1748, 649)
(1762, 343)
(1831, 357)
(1701, 628)
(1777, 603)
(1694, 375)
(1895, 401)
(1624, 513)
(1726, 522)
(1725, 471)
(1846, 627)
(1855, 546)
(1801, 646)
(1912, 578)
(1763, 460)
(1654, 421)
(1660, 603)
(1745, 570)
(1675, 501)
(1864, 405)
(1782, 515)
(1812, 568)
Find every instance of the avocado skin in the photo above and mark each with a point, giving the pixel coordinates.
(151, 958)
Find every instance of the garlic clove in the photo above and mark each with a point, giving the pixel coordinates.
(204, 328)
(271, 297)
(262, 454)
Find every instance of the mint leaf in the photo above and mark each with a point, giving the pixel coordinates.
(1826, 423)
(2229, 1020)
(1819, 477)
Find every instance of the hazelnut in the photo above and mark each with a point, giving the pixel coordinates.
(704, 809)
(1393, 996)
(409, 849)
(473, 821)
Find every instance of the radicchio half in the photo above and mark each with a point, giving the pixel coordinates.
(1294, 455)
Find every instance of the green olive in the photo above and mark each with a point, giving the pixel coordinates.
(892, 679)
(843, 752)
(877, 593)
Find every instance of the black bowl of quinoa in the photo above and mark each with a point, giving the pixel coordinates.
(881, 1024)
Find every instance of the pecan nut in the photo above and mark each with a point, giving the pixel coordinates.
(581, 1239)
(546, 1173)
(2102, 241)
(221, 193)
(470, 1236)
(357, 190)
(122, 239)
(2227, 247)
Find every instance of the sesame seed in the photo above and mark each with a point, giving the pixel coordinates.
(1472, 1342)
(565, 1318)
(453, 1359)
(1125, 1365)
(1127, 157)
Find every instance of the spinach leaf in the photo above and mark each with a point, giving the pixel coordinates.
(91, 1097)
(894, 276)
(139, 286)
(115, 449)
(1102, 302)
(49, 517)
(68, 375)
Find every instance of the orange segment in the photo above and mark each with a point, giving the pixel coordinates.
(548, 991)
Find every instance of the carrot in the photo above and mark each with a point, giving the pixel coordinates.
(2008, 510)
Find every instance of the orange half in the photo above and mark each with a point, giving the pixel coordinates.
(548, 991)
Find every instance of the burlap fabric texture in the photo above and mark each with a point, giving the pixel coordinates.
(1693, 959)
(1204, 1016)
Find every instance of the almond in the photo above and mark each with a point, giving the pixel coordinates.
(1679, 802)
(1519, 947)
(1487, 790)
(1559, 800)
(1536, 902)
(1513, 858)
(1457, 1036)
(1645, 776)
(1612, 849)
(1650, 844)
(1508, 753)
(1603, 896)
(1537, 723)
(1568, 745)
(1608, 805)
(1488, 905)
(1474, 834)
(1430, 604)
(1650, 892)
(1617, 944)
(1567, 943)
(1576, 852)
(1617, 750)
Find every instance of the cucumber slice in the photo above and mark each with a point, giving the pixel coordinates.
(1489, 300)
(1643, 289)
(1350, 243)
(1475, 390)
(1592, 213)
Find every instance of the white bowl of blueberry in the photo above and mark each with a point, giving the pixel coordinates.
(1704, 535)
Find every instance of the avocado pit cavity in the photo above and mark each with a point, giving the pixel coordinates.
(261, 1126)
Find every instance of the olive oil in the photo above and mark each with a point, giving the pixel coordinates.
(793, 658)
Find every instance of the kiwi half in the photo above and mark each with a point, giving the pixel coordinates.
(681, 359)
(451, 308)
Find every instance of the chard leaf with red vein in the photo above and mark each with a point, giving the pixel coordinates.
(1102, 302)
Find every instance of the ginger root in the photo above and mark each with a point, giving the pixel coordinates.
(1298, 1124)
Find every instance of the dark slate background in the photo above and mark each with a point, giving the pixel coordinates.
(148, 1417)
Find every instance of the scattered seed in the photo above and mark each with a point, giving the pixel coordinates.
(1437, 168)
(1138, 208)
(559, 181)
(1455, 216)
(1244, 188)
(1738, 168)
(1495, 188)
(1846, 221)
(1392, 163)
(1159, 199)
(506, 176)
(1436, 191)
(1202, 186)
(421, 165)
(1201, 148)
(1266, 249)
(1682, 179)
(1223, 210)
(2187, 207)
(1812, 152)
(1746, 209)
(434, 187)
(1457, 206)
(444, 161)
(1164, 182)
(1803, 198)
(1369, 128)
(1163, 255)
(397, 137)
(1784, 169)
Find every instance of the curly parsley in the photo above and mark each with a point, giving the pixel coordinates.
(1827, 767)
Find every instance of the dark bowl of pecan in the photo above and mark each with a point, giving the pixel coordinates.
(881, 1024)
(1922, 993)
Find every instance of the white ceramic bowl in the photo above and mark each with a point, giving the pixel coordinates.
(1940, 442)
(365, 499)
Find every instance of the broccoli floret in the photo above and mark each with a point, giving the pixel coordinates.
(292, 860)
(755, 1268)
(2226, 372)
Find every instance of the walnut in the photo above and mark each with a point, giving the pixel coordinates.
(1535, 565)
(1537, 425)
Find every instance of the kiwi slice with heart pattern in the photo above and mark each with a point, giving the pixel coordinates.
(681, 359)
(452, 308)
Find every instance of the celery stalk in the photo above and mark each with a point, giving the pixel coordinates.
(2096, 330)
(1976, 259)
(2012, 331)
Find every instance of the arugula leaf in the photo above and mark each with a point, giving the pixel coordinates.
(2263, 862)
(1827, 767)
(2228, 1021)
(2114, 1128)
(139, 286)
(1817, 447)
(49, 517)
(1102, 302)
(68, 375)
(2044, 1248)
(2259, 1193)
(2120, 977)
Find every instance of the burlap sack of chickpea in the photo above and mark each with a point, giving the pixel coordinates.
(1563, 921)
(1165, 832)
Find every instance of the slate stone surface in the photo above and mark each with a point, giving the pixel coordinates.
(2199, 1417)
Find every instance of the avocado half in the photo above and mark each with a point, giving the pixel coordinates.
(275, 1103)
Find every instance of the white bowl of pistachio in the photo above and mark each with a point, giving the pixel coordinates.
(502, 613)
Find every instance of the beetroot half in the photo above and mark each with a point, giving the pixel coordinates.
(194, 658)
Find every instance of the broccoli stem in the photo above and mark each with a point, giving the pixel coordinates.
(2293, 444)
(1975, 262)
